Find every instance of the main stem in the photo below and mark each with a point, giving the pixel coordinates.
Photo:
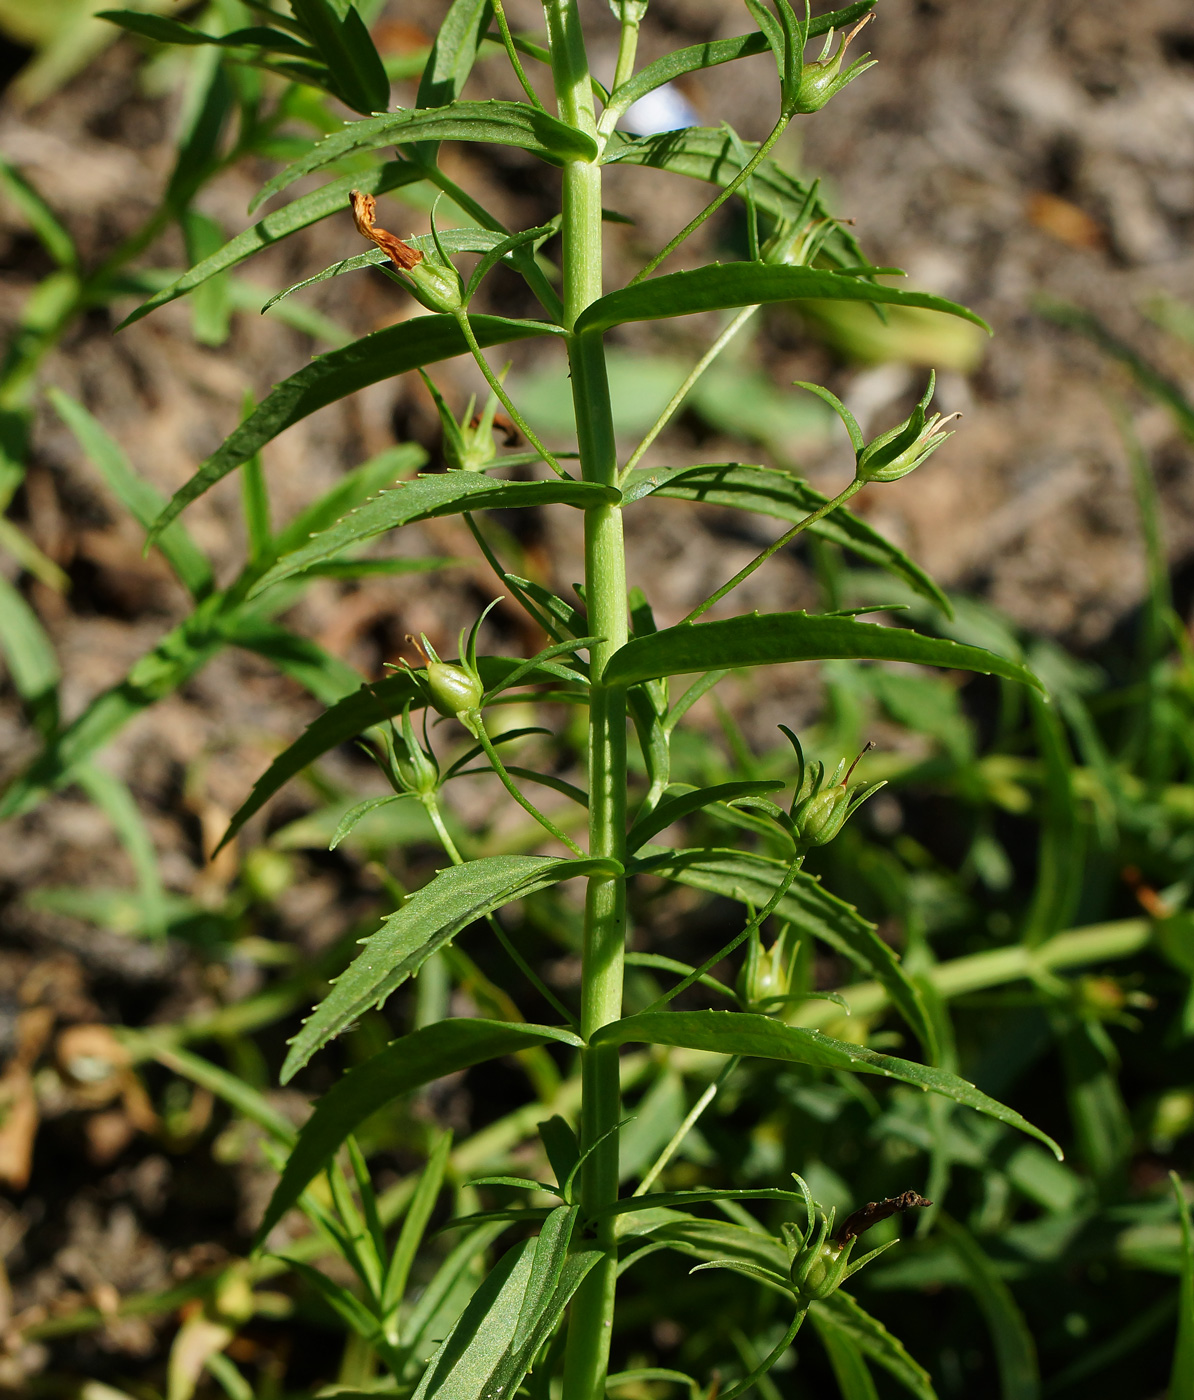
(591, 1320)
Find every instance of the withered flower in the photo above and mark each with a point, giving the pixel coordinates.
(364, 211)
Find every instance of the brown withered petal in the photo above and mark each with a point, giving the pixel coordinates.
(874, 1211)
(364, 212)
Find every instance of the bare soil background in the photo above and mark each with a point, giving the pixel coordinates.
(1000, 153)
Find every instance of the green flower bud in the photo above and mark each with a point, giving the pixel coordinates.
(823, 79)
(414, 768)
(819, 1270)
(902, 449)
(766, 975)
(452, 689)
(819, 812)
(436, 287)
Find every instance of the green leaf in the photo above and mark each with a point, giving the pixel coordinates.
(854, 1381)
(337, 373)
(180, 653)
(163, 30)
(454, 52)
(235, 1092)
(117, 803)
(345, 46)
(741, 1033)
(332, 198)
(439, 1049)
(712, 155)
(777, 493)
(447, 493)
(670, 1199)
(731, 285)
(846, 1318)
(490, 1350)
(327, 677)
(770, 638)
(701, 56)
(352, 716)
(29, 654)
(1181, 1380)
(1015, 1351)
(414, 1226)
(135, 494)
(672, 809)
(51, 234)
(1061, 844)
(455, 898)
(810, 908)
(503, 123)
(390, 465)
(362, 809)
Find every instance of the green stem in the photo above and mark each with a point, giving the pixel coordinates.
(786, 538)
(477, 726)
(591, 1318)
(627, 49)
(772, 1357)
(507, 403)
(683, 391)
(717, 201)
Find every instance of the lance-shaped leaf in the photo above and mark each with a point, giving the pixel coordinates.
(501, 123)
(768, 491)
(809, 907)
(371, 704)
(763, 639)
(681, 805)
(473, 1364)
(299, 214)
(846, 1317)
(329, 377)
(742, 1033)
(712, 155)
(427, 1054)
(449, 493)
(724, 285)
(344, 44)
(701, 56)
(455, 898)
(492, 1345)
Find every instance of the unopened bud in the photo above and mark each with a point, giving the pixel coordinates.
(823, 79)
(902, 449)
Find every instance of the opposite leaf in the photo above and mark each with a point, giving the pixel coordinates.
(455, 898)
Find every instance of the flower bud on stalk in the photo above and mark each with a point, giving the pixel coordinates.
(766, 976)
(819, 812)
(431, 284)
(902, 449)
(823, 79)
(451, 689)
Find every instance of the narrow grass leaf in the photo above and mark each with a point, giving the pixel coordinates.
(761, 639)
(439, 1049)
(337, 373)
(327, 677)
(501, 123)
(732, 285)
(415, 1222)
(1181, 1380)
(117, 803)
(454, 52)
(448, 493)
(138, 497)
(30, 658)
(1015, 1351)
(46, 227)
(768, 491)
(741, 1033)
(1061, 843)
(455, 898)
